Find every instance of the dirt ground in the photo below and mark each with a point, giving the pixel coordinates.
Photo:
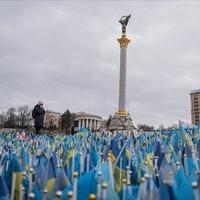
(6, 129)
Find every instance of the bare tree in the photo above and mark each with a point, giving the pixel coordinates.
(2, 120)
(24, 114)
(10, 118)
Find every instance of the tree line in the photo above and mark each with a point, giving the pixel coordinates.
(21, 117)
(16, 117)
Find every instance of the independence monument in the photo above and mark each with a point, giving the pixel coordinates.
(121, 119)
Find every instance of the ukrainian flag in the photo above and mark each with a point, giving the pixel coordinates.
(14, 168)
(51, 175)
(119, 175)
(4, 193)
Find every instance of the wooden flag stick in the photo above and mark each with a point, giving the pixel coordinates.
(99, 185)
(13, 186)
(75, 185)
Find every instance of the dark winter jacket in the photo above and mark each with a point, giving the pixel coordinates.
(38, 115)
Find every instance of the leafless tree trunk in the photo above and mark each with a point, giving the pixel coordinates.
(24, 114)
(2, 120)
(10, 118)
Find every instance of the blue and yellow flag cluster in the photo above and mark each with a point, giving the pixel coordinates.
(161, 165)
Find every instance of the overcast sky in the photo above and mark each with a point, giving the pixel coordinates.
(66, 54)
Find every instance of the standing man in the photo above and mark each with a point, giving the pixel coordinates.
(38, 116)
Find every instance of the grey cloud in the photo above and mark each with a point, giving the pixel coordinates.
(66, 54)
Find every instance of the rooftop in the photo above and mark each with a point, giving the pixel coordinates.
(84, 114)
(195, 91)
(53, 112)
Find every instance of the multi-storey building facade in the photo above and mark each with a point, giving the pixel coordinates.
(195, 106)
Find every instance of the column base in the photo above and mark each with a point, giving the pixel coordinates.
(121, 113)
(121, 121)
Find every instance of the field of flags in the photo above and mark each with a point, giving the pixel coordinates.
(162, 165)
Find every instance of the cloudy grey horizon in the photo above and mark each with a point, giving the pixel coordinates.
(66, 54)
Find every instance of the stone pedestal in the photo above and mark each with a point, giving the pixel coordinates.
(119, 122)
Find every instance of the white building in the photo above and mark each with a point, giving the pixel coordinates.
(88, 120)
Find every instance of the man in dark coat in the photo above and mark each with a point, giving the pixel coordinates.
(38, 115)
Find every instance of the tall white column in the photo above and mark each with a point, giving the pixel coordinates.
(90, 124)
(83, 125)
(122, 80)
(122, 76)
(86, 123)
(79, 124)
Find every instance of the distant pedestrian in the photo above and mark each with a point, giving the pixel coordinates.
(38, 116)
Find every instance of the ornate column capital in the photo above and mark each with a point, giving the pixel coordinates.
(123, 41)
